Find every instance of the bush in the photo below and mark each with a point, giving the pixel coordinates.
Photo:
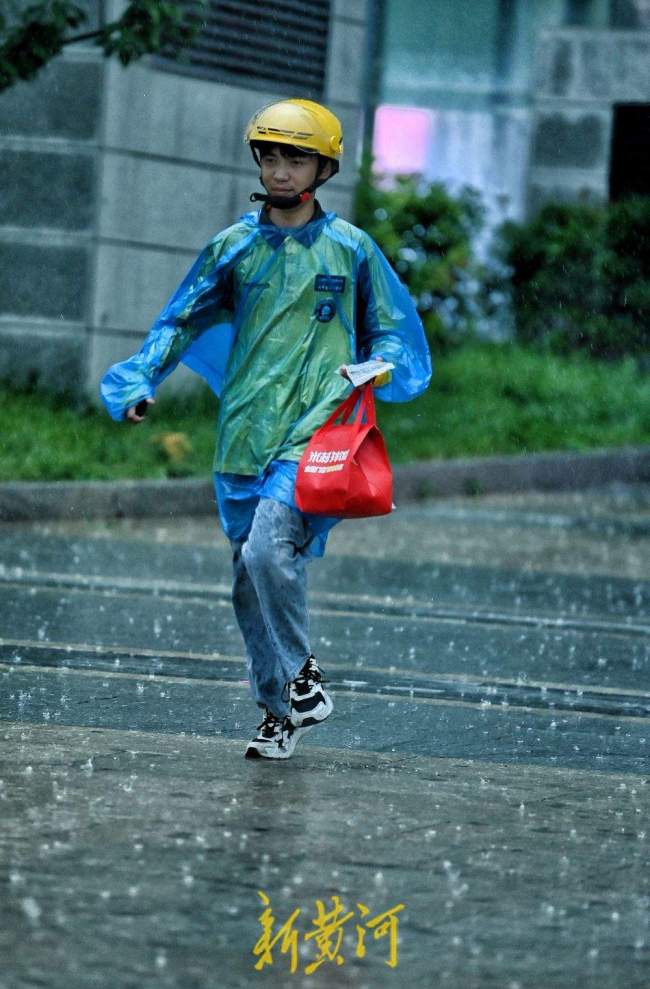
(580, 277)
(427, 235)
(627, 273)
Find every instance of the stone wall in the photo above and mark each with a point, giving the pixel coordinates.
(113, 180)
(581, 74)
(49, 162)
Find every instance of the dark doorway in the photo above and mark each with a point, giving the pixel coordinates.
(629, 173)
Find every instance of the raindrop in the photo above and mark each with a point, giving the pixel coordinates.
(31, 908)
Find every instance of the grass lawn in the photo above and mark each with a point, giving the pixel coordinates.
(484, 399)
(504, 399)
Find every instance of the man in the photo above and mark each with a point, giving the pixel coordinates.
(271, 309)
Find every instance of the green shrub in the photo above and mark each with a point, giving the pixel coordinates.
(626, 271)
(580, 277)
(428, 235)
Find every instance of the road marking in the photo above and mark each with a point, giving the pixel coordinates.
(154, 678)
(381, 695)
(577, 702)
(118, 650)
(219, 595)
(471, 680)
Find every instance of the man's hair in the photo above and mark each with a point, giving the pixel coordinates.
(289, 151)
(286, 150)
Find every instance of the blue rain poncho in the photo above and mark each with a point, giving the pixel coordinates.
(267, 315)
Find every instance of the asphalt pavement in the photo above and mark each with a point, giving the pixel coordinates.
(474, 813)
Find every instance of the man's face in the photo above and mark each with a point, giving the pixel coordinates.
(287, 174)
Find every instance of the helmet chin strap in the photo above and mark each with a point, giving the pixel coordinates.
(282, 202)
(290, 202)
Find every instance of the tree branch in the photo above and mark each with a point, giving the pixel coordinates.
(83, 37)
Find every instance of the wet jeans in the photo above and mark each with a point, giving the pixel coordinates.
(270, 600)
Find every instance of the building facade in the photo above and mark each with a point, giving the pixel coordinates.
(114, 179)
(525, 100)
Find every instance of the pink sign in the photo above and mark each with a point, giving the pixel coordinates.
(401, 140)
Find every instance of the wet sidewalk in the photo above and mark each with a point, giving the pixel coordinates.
(486, 765)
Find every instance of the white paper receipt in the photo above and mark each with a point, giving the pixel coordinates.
(360, 373)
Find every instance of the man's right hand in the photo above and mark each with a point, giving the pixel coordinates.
(138, 413)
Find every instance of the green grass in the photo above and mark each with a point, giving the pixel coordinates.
(505, 399)
(483, 400)
(48, 439)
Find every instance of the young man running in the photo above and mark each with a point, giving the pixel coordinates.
(272, 307)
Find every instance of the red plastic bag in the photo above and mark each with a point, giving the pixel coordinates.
(345, 469)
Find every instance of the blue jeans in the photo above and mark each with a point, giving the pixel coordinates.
(239, 494)
(270, 600)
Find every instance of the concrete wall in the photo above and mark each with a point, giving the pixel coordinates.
(512, 97)
(113, 180)
(49, 163)
(580, 75)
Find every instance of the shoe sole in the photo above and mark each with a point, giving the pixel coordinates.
(256, 754)
(298, 732)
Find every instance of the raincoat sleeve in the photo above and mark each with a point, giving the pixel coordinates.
(192, 309)
(388, 326)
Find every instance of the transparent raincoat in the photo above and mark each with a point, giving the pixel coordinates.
(267, 315)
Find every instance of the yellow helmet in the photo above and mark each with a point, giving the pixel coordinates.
(300, 123)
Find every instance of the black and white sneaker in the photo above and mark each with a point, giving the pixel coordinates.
(310, 702)
(276, 738)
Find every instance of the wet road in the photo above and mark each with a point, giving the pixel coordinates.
(486, 766)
